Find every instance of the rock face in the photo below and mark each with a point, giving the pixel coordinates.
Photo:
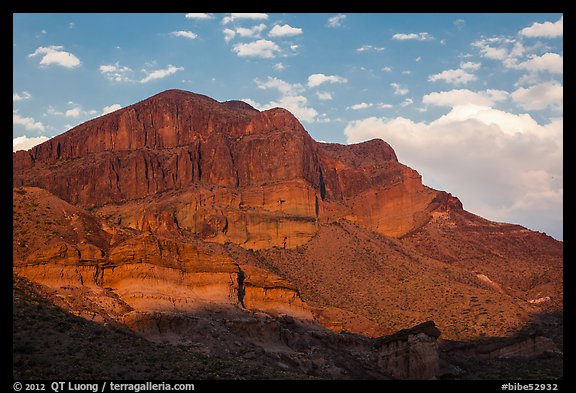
(180, 205)
(232, 173)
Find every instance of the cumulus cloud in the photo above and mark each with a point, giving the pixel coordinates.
(284, 31)
(315, 80)
(297, 105)
(398, 89)
(22, 96)
(29, 123)
(470, 65)
(281, 86)
(253, 31)
(503, 166)
(111, 108)
(116, 72)
(159, 74)
(199, 16)
(323, 95)
(262, 48)
(229, 34)
(244, 16)
(362, 105)
(185, 34)
(541, 96)
(424, 36)
(548, 62)
(55, 55)
(279, 66)
(27, 143)
(290, 98)
(455, 77)
(336, 21)
(456, 97)
(546, 29)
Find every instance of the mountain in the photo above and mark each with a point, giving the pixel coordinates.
(180, 206)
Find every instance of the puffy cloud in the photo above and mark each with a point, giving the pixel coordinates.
(159, 74)
(283, 87)
(27, 122)
(470, 65)
(279, 66)
(284, 30)
(111, 108)
(323, 95)
(21, 96)
(315, 80)
(229, 34)
(253, 31)
(546, 29)
(387, 69)
(456, 77)
(336, 21)
(116, 72)
(262, 48)
(185, 34)
(424, 36)
(297, 105)
(503, 166)
(55, 55)
(27, 143)
(398, 89)
(456, 97)
(362, 105)
(541, 96)
(548, 62)
(199, 16)
(244, 16)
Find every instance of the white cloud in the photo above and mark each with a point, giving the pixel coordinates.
(297, 105)
(490, 52)
(362, 105)
(199, 16)
(406, 72)
(55, 55)
(27, 143)
(541, 96)
(74, 112)
(398, 89)
(460, 23)
(262, 48)
(116, 72)
(279, 67)
(315, 80)
(229, 34)
(546, 29)
(548, 62)
(27, 122)
(470, 65)
(253, 31)
(424, 36)
(323, 95)
(503, 166)
(21, 96)
(284, 31)
(185, 34)
(336, 21)
(455, 77)
(111, 108)
(387, 69)
(418, 59)
(456, 97)
(366, 48)
(283, 87)
(244, 16)
(406, 102)
(159, 74)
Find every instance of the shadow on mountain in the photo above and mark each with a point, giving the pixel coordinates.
(534, 353)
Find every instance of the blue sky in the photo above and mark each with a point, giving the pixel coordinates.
(474, 102)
